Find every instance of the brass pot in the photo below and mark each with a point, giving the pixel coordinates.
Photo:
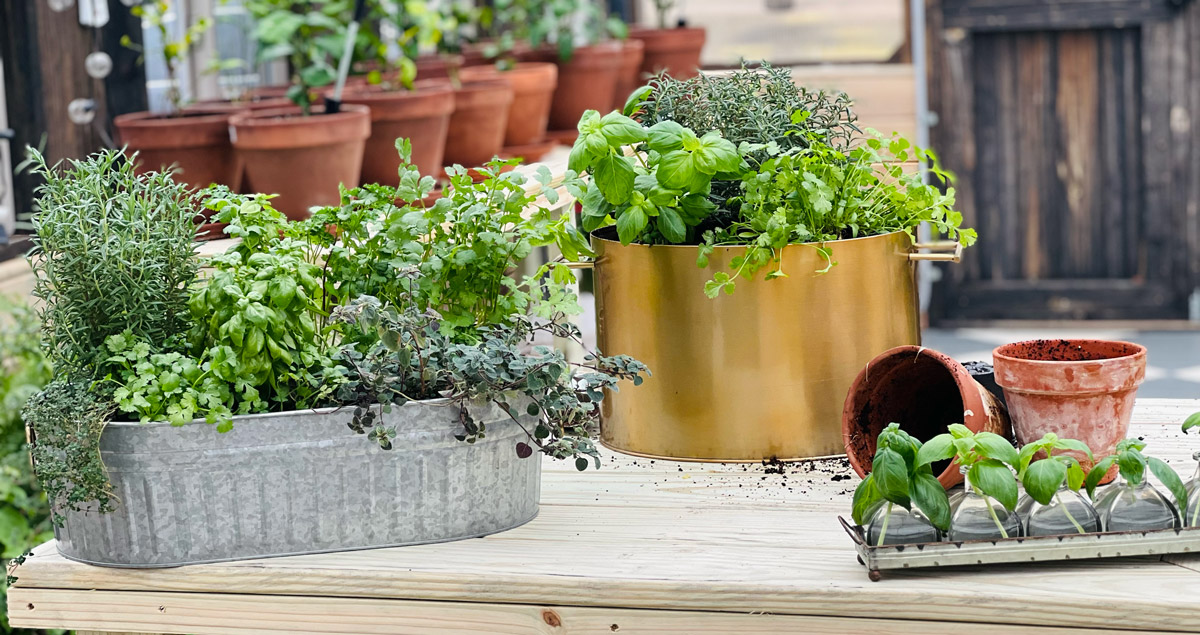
(762, 373)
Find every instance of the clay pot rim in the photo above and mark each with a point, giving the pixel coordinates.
(483, 93)
(1001, 353)
(199, 117)
(291, 116)
(968, 389)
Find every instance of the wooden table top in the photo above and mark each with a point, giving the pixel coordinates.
(637, 546)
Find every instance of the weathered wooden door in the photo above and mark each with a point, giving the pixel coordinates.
(1070, 125)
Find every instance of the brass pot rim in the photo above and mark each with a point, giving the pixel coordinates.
(596, 236)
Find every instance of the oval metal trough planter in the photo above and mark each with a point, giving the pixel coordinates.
(302, 482)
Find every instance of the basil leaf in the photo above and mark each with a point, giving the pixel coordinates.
(630, 224)
(1043, 479)
(891, 476)
(866, 499)
(1132, 465)
(1171, 480)
(1073, 444)
(993, 478)
(993, 446)
(676, 170)
(1075, 473)
(621, 130)
(671, 225)
(589, 122)
(665, 136)
(635, 100)
(580, 156)
(719, 154)
(1097, 474)
(938, 448)
(930, 497)
(1191, 422)
(614, 176)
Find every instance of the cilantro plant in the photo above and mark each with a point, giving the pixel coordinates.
(899, 477)
(1132, 465)
(414, 358)
(987, 457)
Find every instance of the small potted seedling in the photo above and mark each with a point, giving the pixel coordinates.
(1192, 515)
(1134, 504)
(1053, 504)
(884, 501)
(986, 459)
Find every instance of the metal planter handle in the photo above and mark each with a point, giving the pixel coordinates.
(940, 251)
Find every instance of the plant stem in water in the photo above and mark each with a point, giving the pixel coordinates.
(995, 518)
(1071, 518)
(883, 530)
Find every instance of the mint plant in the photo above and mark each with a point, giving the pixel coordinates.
(988, 458)
(899, 477)
(1132, 464)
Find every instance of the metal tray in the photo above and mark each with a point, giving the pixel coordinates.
(1028, 549)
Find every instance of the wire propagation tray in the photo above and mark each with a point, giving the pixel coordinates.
(1023, 549)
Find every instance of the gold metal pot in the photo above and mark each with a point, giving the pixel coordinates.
(760, 373)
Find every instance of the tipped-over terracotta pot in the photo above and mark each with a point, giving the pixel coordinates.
(676, 51)
(922, 390)
(477, 125)
(533, 87)
(303, 159)
(587, 81)
(421, 115)
(1077, 389)
(629, 77)
(195, 143)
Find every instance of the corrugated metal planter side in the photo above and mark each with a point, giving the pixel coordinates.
(302, 482)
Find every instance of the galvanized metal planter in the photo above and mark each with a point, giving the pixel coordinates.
(757, 374)
(301, 482)
(1030, 549)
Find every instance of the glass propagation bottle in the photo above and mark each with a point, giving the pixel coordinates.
(1141, 507)
(1191, 517)
(892, 524)
(1068, 512)
(979, 517)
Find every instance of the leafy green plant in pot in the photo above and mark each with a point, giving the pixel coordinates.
(192, 141)
(381, 317)
(301, 153)
(400, 106)
(884, 501)
(589, 60)
(1132, 503)
(749, 182)
(987, 508)
(1052, 503)
(670, 49)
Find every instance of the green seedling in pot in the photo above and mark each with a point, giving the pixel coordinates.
(1043, 478)
(898, 478)
(1132, 465)
(987, 457)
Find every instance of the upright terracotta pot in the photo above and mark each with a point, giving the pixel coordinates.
(587, 82)
(232, 107)
(477, 125)
(676, 51)
(421, 115)
(629, 78)
(196, 143)
(302, 159)
(437, 65)
(533, 88)
(922, 390)
(1077, 389)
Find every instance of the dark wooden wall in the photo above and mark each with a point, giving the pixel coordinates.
(44, 54)
(1070, 126)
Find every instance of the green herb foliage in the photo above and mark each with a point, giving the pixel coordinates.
(1042, 478)
(67, 418)
(987, 456)
(308, 34)
(154, 14)
(898, 477)
(415, 359)
(113, 253)
(1132, 465)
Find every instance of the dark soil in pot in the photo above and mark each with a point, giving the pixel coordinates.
(302, 158)
(588, 81)
(421, 115)
(675, 51)
(477, 126)
(533, 86)
(196, 143)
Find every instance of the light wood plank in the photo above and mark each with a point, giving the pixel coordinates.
(642, 534)
(219, 614)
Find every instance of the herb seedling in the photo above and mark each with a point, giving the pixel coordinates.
(987, 457)
(1189, 423)
(1043, 478)
(1132, 465)
(898, 477)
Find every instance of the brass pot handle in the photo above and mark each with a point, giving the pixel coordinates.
(942, 251)
(571, 264)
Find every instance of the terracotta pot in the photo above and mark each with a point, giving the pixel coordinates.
(269, 92)
(302, 159)
(196, 143)
(421, 115)
(587, 82)
(477, 125)
(1077, 389)
(924, 391)
(226, 105)
(523, 52)
(437, 65)
(533, 88)
(629, 78)
(676, 51)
